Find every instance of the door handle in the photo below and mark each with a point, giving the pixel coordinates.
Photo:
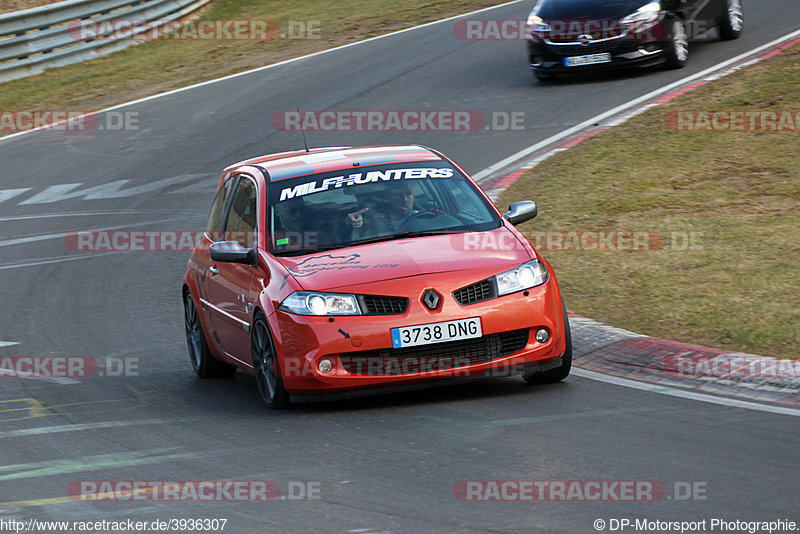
(213, 270)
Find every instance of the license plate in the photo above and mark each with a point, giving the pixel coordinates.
(426, 334)
(591, 59)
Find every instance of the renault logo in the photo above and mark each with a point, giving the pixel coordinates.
(585, 40)
(431, 299)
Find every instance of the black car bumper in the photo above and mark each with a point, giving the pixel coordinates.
(548, 58)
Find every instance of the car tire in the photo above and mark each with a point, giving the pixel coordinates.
(732, 21)
(203, 362)
(678, 50)
(562, 371)
(265, 366)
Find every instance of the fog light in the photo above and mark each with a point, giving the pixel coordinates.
(325, 366)
(542, 335)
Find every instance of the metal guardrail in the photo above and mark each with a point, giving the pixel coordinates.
(41, 38)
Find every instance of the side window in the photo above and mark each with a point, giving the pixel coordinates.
(216, 219)
(242, 219)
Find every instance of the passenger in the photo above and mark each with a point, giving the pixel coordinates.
(290, 224)
(291, 214)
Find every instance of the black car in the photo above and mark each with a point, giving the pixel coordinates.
(567, 36)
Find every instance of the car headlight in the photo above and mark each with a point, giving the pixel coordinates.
(527, 275)
(643, 17)
(537, 26)
(313, 303)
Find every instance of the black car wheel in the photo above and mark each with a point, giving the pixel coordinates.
(732, 22)
(561, 372)
(265, 366)
(677, 51)
(204, 364)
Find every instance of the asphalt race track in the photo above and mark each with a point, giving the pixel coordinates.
(381, 464)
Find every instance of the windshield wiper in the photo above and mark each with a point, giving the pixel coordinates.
(307, 250)
(403, 235)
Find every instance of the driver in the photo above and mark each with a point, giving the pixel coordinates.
(400, 204)
(382, 213)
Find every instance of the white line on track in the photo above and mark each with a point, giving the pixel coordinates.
(507, 162)
(58, 259)
(55, 380)
(93, 426)
(61, 235)
(8, 343)
(72, 214)
(675, 392)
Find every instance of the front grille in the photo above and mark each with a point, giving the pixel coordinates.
(609, 31)
(477, 292)
(580, 50)
(378, 305)
(447, 355)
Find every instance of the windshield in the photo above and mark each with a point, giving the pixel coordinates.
(573, 10)
(367, 204)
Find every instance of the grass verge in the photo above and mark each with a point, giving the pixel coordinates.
(158, 66)
(736, 287)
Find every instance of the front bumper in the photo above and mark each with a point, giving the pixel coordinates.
(388, 389)
(360, 347)
(548, 58)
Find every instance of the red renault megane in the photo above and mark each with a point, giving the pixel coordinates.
(333, 270)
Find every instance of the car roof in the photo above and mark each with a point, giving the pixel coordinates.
(285, 165)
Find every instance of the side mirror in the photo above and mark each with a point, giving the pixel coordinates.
(233, 252)
(522, 211)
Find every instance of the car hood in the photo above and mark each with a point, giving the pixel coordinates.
(484, 253)
(587, 9)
